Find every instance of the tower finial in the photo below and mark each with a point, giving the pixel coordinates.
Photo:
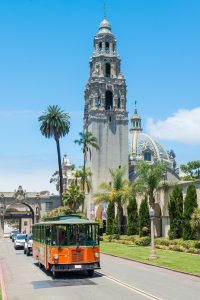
(135, 110)
(104, 8)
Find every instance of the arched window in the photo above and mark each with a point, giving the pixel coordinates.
(107, 46)
(107, 70)
(109, 100)
(147, 155)
(118, 103)
(100, 46)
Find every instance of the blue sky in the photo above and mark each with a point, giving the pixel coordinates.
(44, 59)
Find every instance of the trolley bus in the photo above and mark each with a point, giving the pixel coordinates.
(67, 243)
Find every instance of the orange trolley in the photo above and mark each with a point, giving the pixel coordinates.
(67, 243)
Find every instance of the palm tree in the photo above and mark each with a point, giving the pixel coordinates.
(87, 140)
(195, 222)
(55, 123)
(150, 178)
(117, 193)
(73, 197)
(83, 177)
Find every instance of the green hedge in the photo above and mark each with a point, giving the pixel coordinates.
(180, 245)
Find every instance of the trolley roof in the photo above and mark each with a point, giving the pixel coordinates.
(66, 220)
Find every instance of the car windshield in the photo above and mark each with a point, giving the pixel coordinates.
(21, 236)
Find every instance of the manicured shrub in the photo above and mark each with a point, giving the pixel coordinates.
(190, 204)
(143, 241)
(176, 248)
(175, 207)
(110, 217)
(144, 218)
(195, 222)
(162, 241)
(132, 210)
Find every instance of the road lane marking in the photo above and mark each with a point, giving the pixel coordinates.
(130, 287)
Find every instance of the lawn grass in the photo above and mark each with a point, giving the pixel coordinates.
(171, 259)
(0, 294)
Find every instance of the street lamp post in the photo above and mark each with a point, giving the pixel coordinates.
(153, 250)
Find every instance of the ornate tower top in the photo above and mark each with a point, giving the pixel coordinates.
(106, 88)
(104, 26)
(136, 121)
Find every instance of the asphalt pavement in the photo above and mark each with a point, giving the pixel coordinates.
(118, 279)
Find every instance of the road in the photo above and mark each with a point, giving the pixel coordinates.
(118, 279)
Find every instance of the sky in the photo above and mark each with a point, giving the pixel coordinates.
(45, 48)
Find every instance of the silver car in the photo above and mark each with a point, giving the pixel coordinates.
(19, 241)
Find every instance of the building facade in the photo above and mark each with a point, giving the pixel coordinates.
(105, 114)
(26, 207)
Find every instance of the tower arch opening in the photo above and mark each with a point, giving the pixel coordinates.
(107, 46)
(119, 103)
(100, 46)
(109, 100)
(107, 70)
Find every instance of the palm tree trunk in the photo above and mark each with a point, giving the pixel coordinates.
(151, 199)
(120, 214)
(84, 165)
(60, 169)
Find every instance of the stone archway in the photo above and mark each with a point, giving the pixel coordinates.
(158, 220)
(21, 213)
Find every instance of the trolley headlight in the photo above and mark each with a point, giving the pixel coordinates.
(55, 256)
(96, 254)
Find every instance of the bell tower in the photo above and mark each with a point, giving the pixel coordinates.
(105, 114)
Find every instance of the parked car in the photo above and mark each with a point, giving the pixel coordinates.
(13, 232)
(14, 235)
(28, 244)
(19, 241)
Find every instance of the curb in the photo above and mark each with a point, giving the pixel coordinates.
(2, 284)
(149, 264)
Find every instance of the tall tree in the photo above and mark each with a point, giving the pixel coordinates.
(132, 211)
(190, 204)
(195, 222)
(144, 218)
(116, 193)
(87, 140)
(150, 178)
(83, 178)
(73, 197)
(55, 123)
(110, 217)
(175, 207)
(191, 170)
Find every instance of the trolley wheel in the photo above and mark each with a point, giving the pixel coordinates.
(90, 272)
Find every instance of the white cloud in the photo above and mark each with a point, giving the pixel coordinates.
(183, 126)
